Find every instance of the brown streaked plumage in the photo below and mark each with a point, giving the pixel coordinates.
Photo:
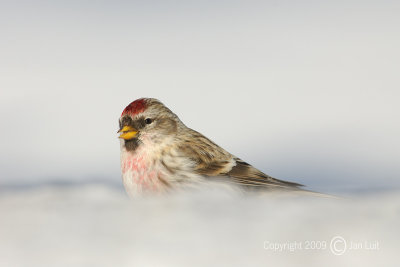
(158, 152)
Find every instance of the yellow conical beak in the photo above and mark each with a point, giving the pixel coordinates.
(127, 132)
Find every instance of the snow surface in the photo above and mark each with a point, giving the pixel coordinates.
(97, 225)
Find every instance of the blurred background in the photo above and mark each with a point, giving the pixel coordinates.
(306, 91)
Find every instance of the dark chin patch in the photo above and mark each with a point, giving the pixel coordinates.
(132, 144)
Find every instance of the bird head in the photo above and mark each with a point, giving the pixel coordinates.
(146, 120)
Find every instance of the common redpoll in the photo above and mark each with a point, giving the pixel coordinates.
(159, 153)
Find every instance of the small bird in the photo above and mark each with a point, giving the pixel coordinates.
(160, 153)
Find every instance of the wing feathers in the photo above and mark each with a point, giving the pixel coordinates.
(213, 161)
(245, 172)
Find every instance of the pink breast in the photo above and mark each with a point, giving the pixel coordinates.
(136, 164)
(136, 170)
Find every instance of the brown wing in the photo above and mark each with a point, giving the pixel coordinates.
(244, 173)
(213, 161)
(210, 159)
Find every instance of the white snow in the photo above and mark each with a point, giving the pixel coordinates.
(97, 225)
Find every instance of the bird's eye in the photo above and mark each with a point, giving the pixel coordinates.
(148, 121)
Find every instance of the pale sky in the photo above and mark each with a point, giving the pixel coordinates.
(307, 92)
